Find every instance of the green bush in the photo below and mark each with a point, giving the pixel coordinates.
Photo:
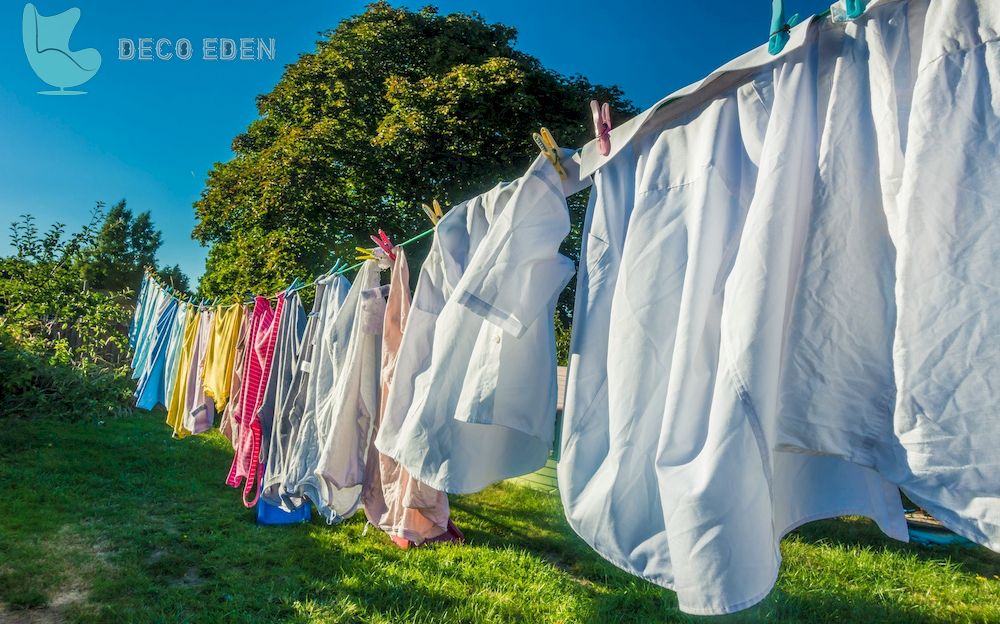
(63, 348)
(32, 386)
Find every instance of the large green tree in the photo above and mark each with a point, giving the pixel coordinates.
(394, 108)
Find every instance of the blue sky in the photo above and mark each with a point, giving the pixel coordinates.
(149, 131)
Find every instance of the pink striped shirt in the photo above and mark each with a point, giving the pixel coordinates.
(257, 367)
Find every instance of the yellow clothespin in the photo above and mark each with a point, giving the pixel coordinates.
(365, 254)
(550, 150)
(434, 214)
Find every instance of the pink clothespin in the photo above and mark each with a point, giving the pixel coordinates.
(382, 240)
(602, 125)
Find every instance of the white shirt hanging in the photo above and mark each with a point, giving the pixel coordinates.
(352, 403)
(731, 374)
(474, 394)
(316, 380)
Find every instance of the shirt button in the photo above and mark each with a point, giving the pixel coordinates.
(497, 340)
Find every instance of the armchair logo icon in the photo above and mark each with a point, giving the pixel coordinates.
(46, 44)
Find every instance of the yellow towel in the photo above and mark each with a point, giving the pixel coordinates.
(217, 371)
(175, 411)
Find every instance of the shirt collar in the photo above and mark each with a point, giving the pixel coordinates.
(591, 159)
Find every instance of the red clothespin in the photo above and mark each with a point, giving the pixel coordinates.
(602, 125)
(385, 244)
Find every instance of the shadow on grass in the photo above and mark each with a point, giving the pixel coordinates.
(179, 545)
(863, 533)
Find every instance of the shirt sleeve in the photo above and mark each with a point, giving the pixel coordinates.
(517, 270)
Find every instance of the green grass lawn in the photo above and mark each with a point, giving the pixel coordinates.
(119, 523)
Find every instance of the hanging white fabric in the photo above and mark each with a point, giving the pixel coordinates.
(782, 306)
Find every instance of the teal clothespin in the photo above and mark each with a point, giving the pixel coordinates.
(338, 264)
(780, 27)
(291, 287)
(854, 8)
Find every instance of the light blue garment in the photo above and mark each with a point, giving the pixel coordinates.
(312, 400)
(153, 304)
(473, 396)
(150, 390)
(294, 458)
(174, 345)
(133, 328)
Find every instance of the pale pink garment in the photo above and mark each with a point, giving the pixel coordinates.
(228, 424)
(199, 410)
(261, 341)
(409, 511)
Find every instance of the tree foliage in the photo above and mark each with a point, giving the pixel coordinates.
(173, 276)
(65, 302)
(47, 305)
(393, 108)
(121, 248)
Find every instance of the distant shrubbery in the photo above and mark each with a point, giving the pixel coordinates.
(32, 386)
(64, 313)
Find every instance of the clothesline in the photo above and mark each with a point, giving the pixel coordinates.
(182, 296)
(422, 235)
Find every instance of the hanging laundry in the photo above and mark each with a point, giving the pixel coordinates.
(288, 344)
(178, 398)
(751, 390)
(140, 301)
(409, 511)
(286, 420)
(473, 398)
(291, 473)
(156, 298)
(286, 350)
(220, 355)
(149, 391)
(262, 339)
(199, 409)
(227, 424)
(350, 404)
(945, 224)
(149, 337)
(173, 352)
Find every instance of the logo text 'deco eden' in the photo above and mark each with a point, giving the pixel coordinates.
(210, 49)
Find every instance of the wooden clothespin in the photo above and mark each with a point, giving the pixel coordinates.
(550, 149)
(435, 213)
(602, 125)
